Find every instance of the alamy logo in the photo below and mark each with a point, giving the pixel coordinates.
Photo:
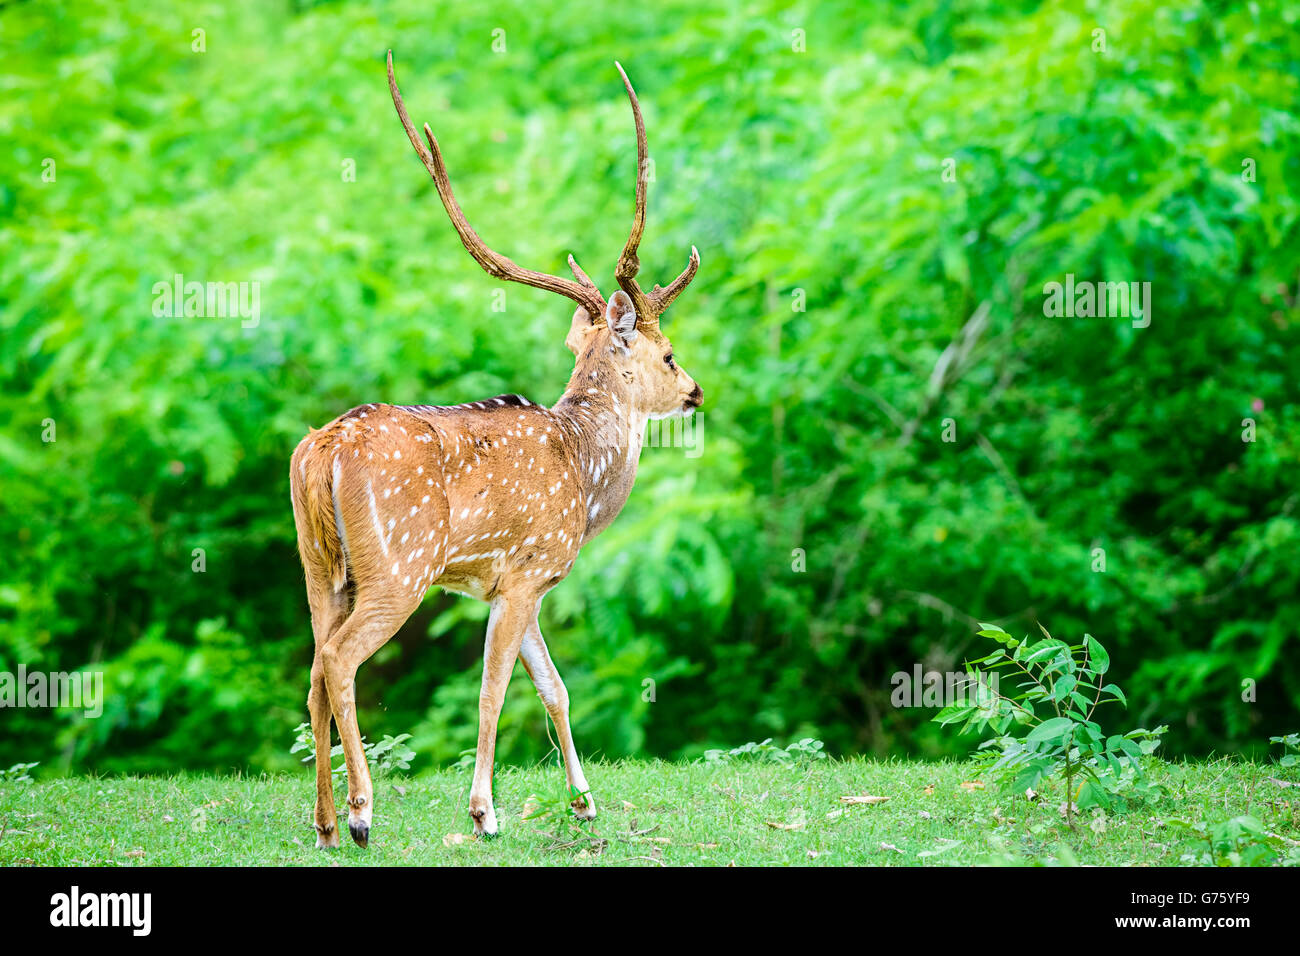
(134, 910)
(677, 431)
(80, 690)
(1085, 300)
(674, 431)
(208, 299)
(922, 688)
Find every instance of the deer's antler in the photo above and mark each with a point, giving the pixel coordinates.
(661, 299)
(628, 263)
(648, 307)
(583, 291)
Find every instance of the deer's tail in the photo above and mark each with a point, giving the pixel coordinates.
(314, 476)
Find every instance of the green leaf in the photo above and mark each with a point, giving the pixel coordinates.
(1099, 660)
(1131, 749)
(1091, 795)
(995, 632)
(1029, 778)
(1043, 650)
(1054, 729)
(954, 713)
(1119, 694)
(1062, 688)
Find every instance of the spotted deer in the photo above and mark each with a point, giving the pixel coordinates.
(491, 499)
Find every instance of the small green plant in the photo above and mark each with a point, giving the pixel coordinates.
(18, 773)
(1060, 686)
(465, 759)
(387, 756)
(558, 803)
(390, 753)
(1290, 749)
(1240, 841)
(808, 748)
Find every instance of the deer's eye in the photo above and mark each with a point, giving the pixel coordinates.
(668, 360)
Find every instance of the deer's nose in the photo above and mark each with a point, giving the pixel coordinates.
(696, 398)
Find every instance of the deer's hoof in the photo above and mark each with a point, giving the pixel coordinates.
(360, 831)
(327, 837)
(485, 822)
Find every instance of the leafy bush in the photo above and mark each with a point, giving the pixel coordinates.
(1290, 749)
(385, 757)
(796, 752)
(18, 773)
(1060, 687)
(1240, 841)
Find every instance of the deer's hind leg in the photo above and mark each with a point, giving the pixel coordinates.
(329, 609)
(375, 618)
(396, 538)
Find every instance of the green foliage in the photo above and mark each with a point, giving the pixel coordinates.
(849, 301)
(18, 773)
(465, 760)
(1059, 688)
(385, 757)
(389, 754)
(1240, 841)
(554, 803)
(1290, 749)
(798, 751)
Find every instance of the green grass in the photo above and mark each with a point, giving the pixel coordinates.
(651, 813)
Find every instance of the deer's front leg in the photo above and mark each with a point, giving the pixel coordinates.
(555, 697)
(505, 632)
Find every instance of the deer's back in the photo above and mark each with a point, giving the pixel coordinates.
(463, 495)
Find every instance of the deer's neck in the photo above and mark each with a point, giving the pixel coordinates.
(604, 432)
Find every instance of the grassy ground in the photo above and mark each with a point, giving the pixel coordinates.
(651, 813)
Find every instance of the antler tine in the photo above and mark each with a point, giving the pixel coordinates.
(582, 277)
(628, 263)
(661, 299)
(583, 292)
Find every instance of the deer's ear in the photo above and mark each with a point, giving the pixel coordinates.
(578, 330)
(620, 316)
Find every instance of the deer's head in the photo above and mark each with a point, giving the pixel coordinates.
(618, 340)
(622, 346)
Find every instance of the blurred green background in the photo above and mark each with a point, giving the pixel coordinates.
(852, 297)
